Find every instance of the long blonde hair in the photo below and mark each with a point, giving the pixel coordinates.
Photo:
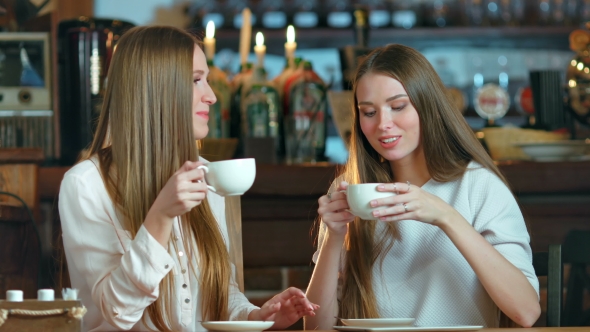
(449, 145)
(144, 136)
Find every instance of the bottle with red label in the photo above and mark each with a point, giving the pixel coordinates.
(219, 114)
(525, 105)
(305, 118)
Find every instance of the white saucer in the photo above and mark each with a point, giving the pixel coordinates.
(254, 326)
(378, 322)
(409, 328)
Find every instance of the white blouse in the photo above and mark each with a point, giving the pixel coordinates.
(117, 276)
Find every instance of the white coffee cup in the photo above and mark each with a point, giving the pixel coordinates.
(230, 177)
(359, 197)
(14, 295)
(45, 294)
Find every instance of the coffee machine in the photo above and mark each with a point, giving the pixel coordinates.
(85, 48)
(26, 109)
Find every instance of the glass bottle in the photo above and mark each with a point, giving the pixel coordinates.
(203, 11)
(272, 15)
(237, 83)
(261, 109)
(306, 120)
(338, 13)
(219, 115)
(304, 13)
(379, 14)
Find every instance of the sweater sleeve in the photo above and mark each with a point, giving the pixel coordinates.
(499, 220)
(124, 280)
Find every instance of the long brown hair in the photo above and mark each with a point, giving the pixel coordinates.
(449, 145)
(144, 135)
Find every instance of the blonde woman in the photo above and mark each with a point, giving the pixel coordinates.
(452, 247)
(144, 240)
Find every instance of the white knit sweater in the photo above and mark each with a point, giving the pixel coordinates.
(424, 276)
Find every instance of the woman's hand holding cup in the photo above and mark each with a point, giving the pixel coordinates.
(183, 191)
(412, 203)
(333, 209)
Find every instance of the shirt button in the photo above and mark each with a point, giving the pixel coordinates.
(175, 238)
(166, 266)
(183, 271)
(187, 300)
(184, 286)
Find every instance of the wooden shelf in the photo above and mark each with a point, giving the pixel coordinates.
(555, 38)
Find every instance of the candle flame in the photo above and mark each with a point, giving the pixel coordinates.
(259, 39)
(210, 30)
(290, 34)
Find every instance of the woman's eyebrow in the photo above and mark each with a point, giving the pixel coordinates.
(386, 100)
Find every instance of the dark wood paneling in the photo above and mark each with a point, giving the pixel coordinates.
(293, 180)
(263, 207)
(277, 243)
(548, 178)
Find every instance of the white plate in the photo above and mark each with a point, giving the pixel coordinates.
(237, 325)
(409, 328)
(555, 151)
(378, 322)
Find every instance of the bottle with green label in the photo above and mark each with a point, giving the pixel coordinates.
(261, 109)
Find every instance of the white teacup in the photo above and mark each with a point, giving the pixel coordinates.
(230, 177)
(359, 197)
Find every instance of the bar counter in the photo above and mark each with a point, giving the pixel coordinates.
(279, 211)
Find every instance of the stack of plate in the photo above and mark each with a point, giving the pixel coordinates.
(568, 150)
(395, 324)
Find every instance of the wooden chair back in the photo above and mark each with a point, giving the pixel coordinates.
(550, 264)
(576, 252)
(233, 217)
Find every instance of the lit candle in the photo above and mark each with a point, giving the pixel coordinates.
(290, 45)
(209, 40)
(245, 35)
(260, 49)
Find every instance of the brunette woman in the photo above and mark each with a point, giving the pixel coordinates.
(144, 240)
(451, 248)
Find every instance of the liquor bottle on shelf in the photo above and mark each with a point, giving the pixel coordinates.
(473, 11)
(233, 13)
(350, 54)
(437, 13)
(338, 13)
(306, 118)
(237, 83)
(203, 11)
(279, 80)
(271, 13)
(378, 11)
(261, 118)
(304, 13)
(219, 117)
(405, 14)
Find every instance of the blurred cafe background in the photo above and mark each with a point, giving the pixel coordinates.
(518, 70)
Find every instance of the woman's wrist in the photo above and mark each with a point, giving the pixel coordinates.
(452, 223)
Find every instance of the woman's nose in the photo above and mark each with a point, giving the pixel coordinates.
(385, 121)
(209, 97)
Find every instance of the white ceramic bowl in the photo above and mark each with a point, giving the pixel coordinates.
(555, 151)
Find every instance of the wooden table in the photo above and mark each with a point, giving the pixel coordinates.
(532, 329)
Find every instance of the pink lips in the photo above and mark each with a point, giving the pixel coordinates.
(389, 145)
(203, 114)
